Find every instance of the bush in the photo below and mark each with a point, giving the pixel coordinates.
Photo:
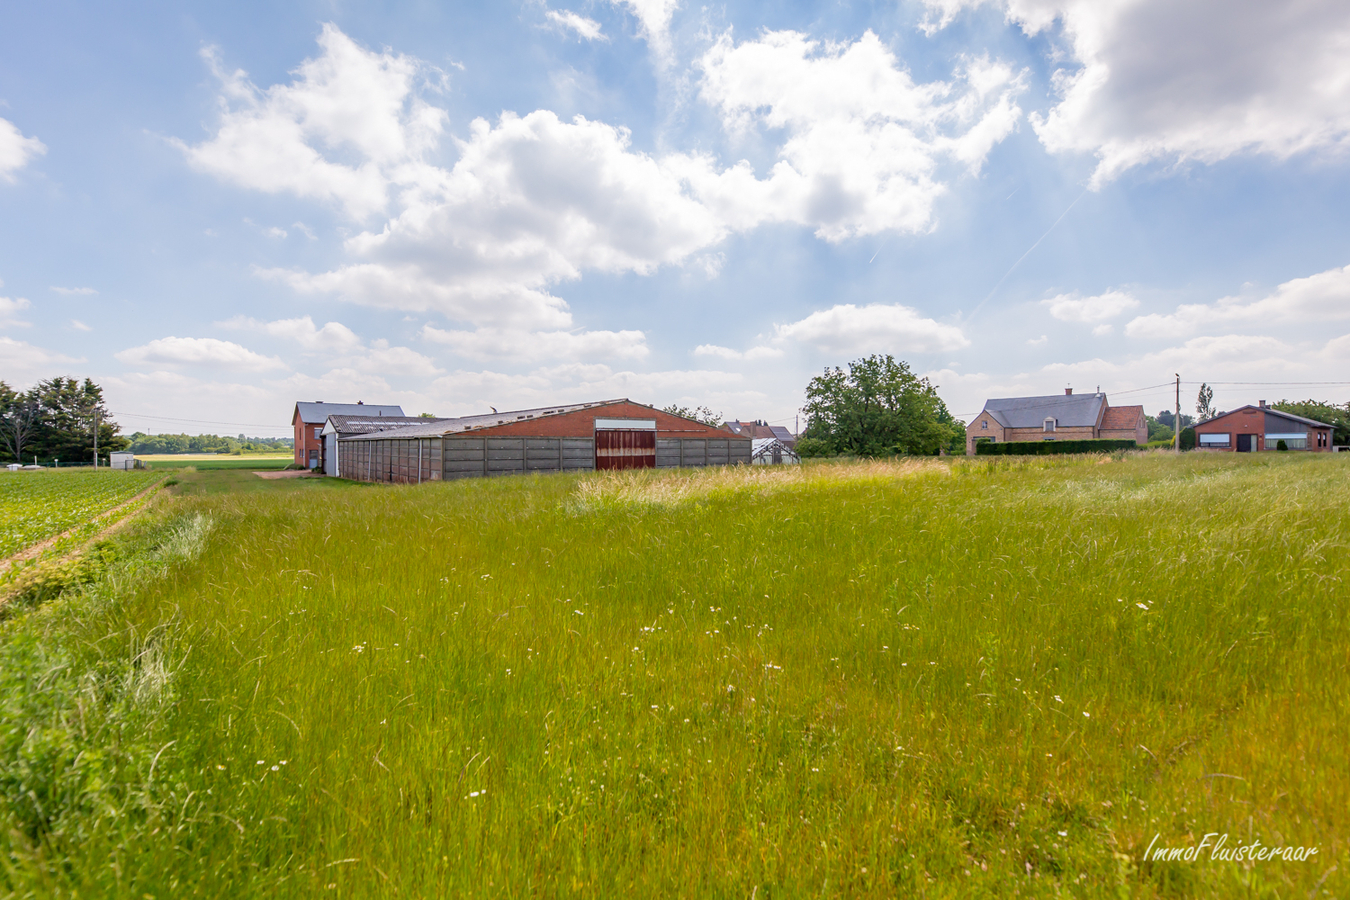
(1281, 446)
(808, 447)
(1050, 448)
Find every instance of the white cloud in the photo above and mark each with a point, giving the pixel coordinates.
(505, 343)
(332, 337)
(1179, 80)
(174, 351)
(534, 201)
(24, 364)
(874, 328)
(16, 150)
(1038, 342)
(1087, 310)
(74, 292)
(750, 355)
(531, 202)
(1324, 297)
(350, 104)
(863, 139)
(654, 18)
(10, 307)
(466, 392)
(586, 29)
(79, 326)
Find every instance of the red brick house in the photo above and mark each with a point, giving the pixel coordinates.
(1071, 417)
(1255, 428)
(308, 420)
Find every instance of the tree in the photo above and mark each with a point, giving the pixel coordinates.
(67, 410)
(877, 408)
(1338, 417)
(1157, 431)
(1167, 418)
(698, 414)
(1204, 402)
(18, 419)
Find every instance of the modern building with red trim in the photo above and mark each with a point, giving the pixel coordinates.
(607, 434)
(1252, 429)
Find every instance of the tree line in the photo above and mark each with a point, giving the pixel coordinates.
(204, 443)
(55, 420)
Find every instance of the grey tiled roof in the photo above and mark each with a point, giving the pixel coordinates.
(317, 412)
(1068, 410)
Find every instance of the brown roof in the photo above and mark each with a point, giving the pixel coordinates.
(1119, 418)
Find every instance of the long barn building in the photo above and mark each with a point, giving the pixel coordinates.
(610, 434)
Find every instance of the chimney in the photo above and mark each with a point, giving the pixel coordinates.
(1068, 391)
(1263, 403)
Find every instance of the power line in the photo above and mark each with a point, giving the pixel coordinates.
(198, 421)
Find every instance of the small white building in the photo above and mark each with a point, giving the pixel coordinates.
(122, 460)
(772, 452)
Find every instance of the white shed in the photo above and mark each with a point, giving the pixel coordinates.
(122, 460)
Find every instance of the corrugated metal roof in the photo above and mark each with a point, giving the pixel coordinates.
(317, 412)
(467, 423)
(348, 425)
(1068, 410)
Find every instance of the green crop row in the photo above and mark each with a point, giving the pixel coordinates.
(37, 505)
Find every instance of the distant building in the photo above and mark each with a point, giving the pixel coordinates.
(580, 437)
(122, 460)
(759, 430)
(1071, 417)
(308, 420)
(1255, 428)
(772, 452)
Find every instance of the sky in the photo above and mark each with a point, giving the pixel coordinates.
(215, 210)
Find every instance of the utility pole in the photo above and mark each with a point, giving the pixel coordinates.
(95, 436)
(1176, 422)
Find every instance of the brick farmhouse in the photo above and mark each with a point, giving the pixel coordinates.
(1071, 417)
(1254, 428)
(308, 421)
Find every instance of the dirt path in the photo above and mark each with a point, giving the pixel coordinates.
(34, 550)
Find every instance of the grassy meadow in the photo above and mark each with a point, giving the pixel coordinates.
(250, 461)
(917, 678)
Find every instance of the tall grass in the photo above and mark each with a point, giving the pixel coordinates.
(941, 679)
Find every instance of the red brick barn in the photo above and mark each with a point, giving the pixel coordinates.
(608, 434)
(308, 420)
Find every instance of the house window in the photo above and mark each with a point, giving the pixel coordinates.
(984, 423)
(1049, 423)
(318, 432)
(1294, 440)
(1216, 441)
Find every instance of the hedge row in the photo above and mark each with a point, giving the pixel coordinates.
(1048, 448)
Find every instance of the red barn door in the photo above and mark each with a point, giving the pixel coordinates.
(624, 449)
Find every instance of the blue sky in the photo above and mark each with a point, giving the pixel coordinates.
(215, 210)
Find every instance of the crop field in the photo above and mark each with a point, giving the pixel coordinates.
(37, 505)
(952, 678)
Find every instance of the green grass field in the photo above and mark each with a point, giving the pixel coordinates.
(259, 462)
(968, 677)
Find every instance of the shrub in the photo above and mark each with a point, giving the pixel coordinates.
(1281, 446)
(1049, 448)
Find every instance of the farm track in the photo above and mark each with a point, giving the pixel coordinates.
(34, 550)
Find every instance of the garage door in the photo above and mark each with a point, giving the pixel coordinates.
(625, 444)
